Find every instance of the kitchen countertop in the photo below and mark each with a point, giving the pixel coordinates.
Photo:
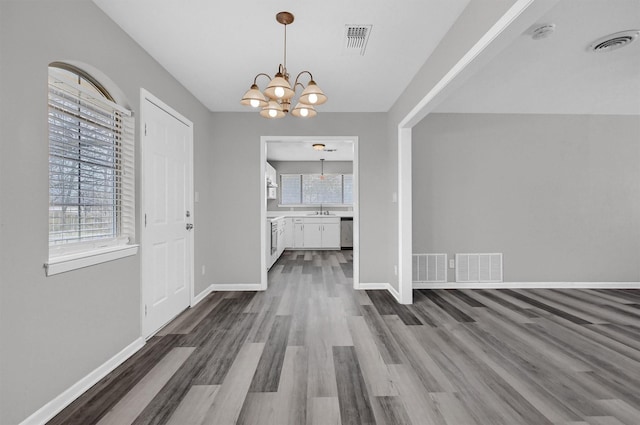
(276, 215)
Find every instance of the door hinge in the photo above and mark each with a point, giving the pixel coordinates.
(145, 220)
(145, 310)
(145, 129)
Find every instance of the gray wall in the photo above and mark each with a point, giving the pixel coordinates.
(236, 182)
(476, 19)
(558, 195)
(56, 330)
(306, 167)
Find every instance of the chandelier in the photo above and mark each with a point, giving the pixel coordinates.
(275, 102)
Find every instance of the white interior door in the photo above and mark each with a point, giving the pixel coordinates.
(167, 240)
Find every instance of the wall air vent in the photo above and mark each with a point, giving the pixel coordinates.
(613, 41)
(429, 268)
(356, 38)
(478, 268)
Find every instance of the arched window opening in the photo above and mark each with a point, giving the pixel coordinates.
(91, 174)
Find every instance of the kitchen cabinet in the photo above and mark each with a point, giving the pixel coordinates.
(288, 232)
(312, 235)
(331, 235)
(278, 230)
(298, 233)
(271, 178)
(281, 237)
(317, 232)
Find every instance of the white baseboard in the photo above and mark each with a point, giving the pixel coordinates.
(377, 286)
(201, 296)
(529, 285)
(394, 292)
(373, 286)
(237, 287)
(52, 408)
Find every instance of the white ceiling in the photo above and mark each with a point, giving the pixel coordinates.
(558, 75)
(216, 48)
(302, 150)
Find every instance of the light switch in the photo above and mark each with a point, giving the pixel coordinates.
(452, 264)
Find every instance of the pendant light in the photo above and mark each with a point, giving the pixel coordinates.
(275, 101)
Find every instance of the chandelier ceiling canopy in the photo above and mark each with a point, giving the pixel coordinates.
(275, 101)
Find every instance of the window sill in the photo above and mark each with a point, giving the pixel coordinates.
(65, 263)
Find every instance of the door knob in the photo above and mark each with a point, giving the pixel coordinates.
(189, 226)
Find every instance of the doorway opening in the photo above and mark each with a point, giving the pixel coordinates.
(309, 199)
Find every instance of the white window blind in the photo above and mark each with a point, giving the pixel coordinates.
(316, 189)
(291, 189)
(321, 189)
(91, 165)
(347, 189)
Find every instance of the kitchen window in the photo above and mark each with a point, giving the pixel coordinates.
(91, 170)
(316, 189)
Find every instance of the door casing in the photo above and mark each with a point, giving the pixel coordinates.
(263, 202)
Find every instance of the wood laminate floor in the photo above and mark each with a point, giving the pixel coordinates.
(311, 350)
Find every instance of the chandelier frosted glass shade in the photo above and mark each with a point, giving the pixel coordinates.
(254, 98)
(272, 110)
(276, 99)
(279, 88)
(312, 95)
(302, 110)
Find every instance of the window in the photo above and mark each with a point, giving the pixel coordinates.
(316, 189)
(91, 165)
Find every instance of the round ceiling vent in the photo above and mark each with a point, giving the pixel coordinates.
(543, 31)
(614, 41)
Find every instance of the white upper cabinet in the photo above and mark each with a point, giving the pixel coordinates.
(271, 180)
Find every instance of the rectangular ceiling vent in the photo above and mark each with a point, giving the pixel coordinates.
(356, 39)
(479, 268)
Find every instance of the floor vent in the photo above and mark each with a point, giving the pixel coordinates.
(429, 268)
(478, 268)
(356, 39)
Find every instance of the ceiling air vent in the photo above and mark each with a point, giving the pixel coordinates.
(356, 38)
(614, 41)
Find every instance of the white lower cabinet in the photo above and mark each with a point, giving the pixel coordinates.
(298, 233)
(317, 232)
(331, 235)
(281, 238)
(288, 232)
(282, 231)
(312, 235)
